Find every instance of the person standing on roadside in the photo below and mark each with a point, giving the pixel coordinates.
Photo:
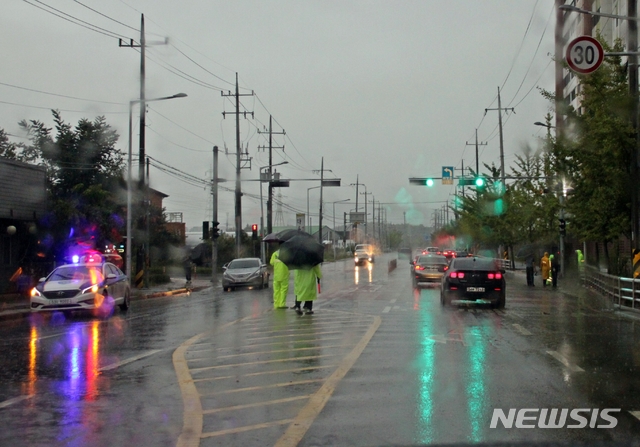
(280, 281)
(186, 263)
(529, 266)
(545, 267)
(306, 288)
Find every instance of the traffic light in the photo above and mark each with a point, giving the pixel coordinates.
(563, 227)
(215, 231)
(429, 182)
(205, 230)
(479, 182)
(254, 231)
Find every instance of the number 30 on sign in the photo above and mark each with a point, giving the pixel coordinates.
(584, 54)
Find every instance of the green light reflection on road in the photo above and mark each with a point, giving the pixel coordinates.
(476, 390)
(426, 366)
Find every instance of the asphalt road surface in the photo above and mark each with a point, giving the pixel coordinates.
(379, 363)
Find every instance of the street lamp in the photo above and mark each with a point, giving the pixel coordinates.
(262, 207)
(129, 192)
(334, 226)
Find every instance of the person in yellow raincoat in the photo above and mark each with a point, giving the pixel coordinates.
(280, 281)
(305, 286)
(545, 267)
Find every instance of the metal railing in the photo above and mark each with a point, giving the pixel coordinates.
(625, 292)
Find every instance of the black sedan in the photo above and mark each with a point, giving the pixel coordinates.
(473, 280)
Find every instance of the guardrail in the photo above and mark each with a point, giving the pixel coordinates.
(626, 291)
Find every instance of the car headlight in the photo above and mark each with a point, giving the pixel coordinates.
(35, 292)
(91, 289)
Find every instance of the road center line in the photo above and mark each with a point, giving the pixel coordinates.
(129, 360)
(386, 310)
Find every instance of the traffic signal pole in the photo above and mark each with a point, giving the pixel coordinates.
(215, 223)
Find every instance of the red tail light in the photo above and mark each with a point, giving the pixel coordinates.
(419, 267)
(446, 267)
(497, 275)
(458, 275)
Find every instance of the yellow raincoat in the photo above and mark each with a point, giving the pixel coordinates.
(545, 267)
(305, 283)
(280, 281)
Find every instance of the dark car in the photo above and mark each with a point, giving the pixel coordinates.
(473, 280)
(245, 272)
(429, 268)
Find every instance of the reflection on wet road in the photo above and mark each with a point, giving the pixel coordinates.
(379, 363)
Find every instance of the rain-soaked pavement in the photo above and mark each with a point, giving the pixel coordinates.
(377, 364)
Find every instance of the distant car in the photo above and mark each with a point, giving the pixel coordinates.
(404, 252)
(449, 254)
(462, 254)
(431, 251)
(429, 268)
(473, 280)
(364, 253)
(245, 272)
(95, 287)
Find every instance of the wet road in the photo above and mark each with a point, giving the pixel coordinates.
(378, 363)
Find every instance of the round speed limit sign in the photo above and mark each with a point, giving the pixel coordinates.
(584, 54)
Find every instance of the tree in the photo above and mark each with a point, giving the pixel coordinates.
(84, 177)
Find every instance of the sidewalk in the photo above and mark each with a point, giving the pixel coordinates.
(13, 305)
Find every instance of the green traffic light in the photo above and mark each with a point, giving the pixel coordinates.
(429, 182)
(479, 182)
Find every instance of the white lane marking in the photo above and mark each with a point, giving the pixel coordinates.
(556, 355)
(522, 330)
(386, 309)
(393, 300)
(635, 414)
(15, 400)
(129, 360)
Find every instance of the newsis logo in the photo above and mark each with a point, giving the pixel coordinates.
(555, 418)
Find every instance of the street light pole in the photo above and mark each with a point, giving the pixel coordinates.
(142, 102)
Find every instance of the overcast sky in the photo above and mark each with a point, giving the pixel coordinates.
(383, 90)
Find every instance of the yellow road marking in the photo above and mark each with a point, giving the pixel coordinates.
(192, 416)
(307, 415)
(245, 428)
(262, 387)
(257, 404)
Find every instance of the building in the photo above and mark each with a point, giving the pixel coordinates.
(23, 200)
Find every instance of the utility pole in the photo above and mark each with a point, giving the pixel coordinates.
(270, 191)
(320, 217)
(239, 160)
(214, 194)
(356, 184)
(500, 109)
(477, 158)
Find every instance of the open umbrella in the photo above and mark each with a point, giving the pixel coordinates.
(285, 235)
(301, 252)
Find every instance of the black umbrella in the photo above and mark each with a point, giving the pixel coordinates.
(301, 252)
(285, 235)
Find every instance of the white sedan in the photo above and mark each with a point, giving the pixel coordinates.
(88, 287)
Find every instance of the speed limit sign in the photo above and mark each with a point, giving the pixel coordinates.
(584, 54)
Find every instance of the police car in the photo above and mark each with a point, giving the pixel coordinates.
(87, 284)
